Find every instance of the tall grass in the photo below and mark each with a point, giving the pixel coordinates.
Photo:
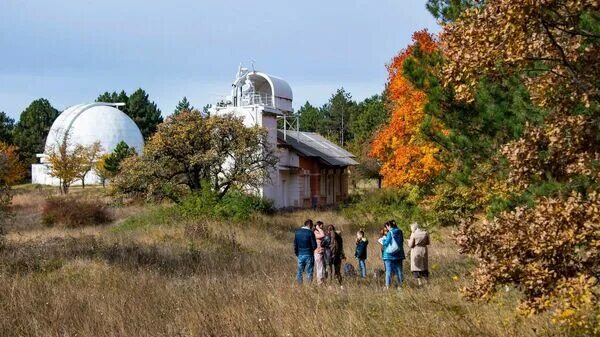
(205, 277)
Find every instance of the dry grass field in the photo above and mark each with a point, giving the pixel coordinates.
(221, 278)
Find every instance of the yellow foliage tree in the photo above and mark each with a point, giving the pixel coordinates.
(100, 169)
(66, 161)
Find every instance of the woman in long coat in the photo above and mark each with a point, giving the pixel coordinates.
(418, 242)
(337, 253)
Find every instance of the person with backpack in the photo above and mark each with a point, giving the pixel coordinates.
(393, 253)
(361, 252)
(336, 245)
(305, 244)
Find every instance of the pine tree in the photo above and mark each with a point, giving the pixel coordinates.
(113, 97)
(310, 117)
(32, 129)
(183, 105)
(143, 112)
(337, 114)
(369, 116)
(113, 161)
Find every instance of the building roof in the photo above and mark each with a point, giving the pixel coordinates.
(311, 144)
(280, 88)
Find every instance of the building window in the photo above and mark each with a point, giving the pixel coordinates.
(306, 184)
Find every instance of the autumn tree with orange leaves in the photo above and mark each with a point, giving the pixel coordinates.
(11, 172)
(406, 157)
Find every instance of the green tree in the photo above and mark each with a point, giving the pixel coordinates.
(183, 105)
(113, 97)
(310, 117)
(143, 112)
(113, 161)
(337, 114)
(32, 129)
(7, 125)
(448, 10)
(206, 110)
(369, 115)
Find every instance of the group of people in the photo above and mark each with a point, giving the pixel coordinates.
(322, 249)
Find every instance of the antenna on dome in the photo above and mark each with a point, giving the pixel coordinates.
(252, 63)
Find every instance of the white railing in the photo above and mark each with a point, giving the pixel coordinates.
(257, 98)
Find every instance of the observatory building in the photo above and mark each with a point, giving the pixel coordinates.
(86, 124)
(312, 171)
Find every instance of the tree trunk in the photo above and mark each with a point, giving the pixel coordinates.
(379, 181)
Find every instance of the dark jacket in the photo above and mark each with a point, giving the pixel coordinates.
(361, 249)
(399, 238)
(337, 254)
(305, 242)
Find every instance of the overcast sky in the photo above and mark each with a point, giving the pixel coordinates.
(71, 51)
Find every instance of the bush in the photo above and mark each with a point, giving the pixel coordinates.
(235, 205)
(375, 208)
(71, 212)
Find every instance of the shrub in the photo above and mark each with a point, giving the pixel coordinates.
(71, 212)
(235, 205)
(375, 208)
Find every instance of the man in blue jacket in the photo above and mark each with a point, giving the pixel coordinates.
(305, 244)
(393, 253)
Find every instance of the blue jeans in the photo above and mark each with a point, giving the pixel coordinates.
(395, 267)
(362, 267)
(308, 262)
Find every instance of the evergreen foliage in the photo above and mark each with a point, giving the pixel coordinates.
(7, 125)
(32, 129)
(336, 116)
(369, 115)
(183, 105)
(310, 117)
(112, 162)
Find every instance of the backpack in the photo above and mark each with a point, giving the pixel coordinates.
(349, 270)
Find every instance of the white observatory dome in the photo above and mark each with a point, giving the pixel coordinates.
(96, 122)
